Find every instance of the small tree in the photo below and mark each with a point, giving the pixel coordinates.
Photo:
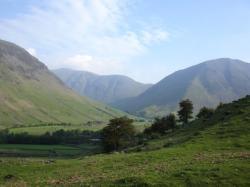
(171, 121)
(186, 110)
(205, 113)
(118, 134)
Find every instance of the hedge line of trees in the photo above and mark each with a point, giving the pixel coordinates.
(57, 137)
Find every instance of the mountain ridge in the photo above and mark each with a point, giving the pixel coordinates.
(104, 88)
(207, 84)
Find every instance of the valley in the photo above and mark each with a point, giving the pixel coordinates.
(76, 108)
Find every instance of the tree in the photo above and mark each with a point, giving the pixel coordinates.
(186, 111)
(118, 134)
(171, 119)
(205, 113)
(220, 105)
(161, 125)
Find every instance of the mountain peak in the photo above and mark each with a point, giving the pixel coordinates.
(17, 58)
(105, 88)
(223, 61)
(206, 84)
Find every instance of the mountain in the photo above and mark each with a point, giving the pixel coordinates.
(206, 84)
(31, 94)
(104, 88)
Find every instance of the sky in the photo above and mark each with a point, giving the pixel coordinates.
(143, 39)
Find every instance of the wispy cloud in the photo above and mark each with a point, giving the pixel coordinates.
(81, 34)
(154, 35)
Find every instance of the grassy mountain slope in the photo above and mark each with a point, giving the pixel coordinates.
(206, 84)
(205, 153)
(104, 88)
(30, 93)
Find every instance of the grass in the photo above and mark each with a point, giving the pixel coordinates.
(38, 150)
(21, 150)
(206, 153)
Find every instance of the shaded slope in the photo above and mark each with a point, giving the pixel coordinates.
(206, 84)
(104, 88)
(29, 93)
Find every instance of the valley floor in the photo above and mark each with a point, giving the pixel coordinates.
(217, 155)
(167, 167)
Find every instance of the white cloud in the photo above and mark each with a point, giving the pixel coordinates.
(89, 63)
(65, 30)
(32, 51)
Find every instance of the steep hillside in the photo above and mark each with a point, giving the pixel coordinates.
(30, 94)
(204, 153)
(206, 84)
(104, 88)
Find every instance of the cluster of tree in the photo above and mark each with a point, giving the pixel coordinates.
(57, 137)
(161, 125)
(120, 132)
(186, 111)
(205, 113)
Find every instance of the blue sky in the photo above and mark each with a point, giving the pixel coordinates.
(146, 40)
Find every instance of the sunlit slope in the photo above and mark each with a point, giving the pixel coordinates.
(30, 93)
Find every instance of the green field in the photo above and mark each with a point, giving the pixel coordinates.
(205, 153)
(38, 130)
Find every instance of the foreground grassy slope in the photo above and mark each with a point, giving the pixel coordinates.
(215, 152)
(31, 94)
